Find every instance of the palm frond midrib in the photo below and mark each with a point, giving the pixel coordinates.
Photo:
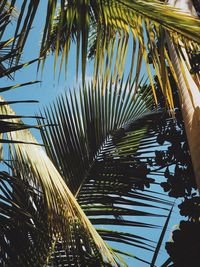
(84, 123)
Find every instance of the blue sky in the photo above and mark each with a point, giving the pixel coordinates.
(47, 91)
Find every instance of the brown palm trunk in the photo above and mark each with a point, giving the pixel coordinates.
(190, 99)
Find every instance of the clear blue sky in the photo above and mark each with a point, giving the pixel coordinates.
(46, 93)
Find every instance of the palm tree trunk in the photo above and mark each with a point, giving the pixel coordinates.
(189, 98)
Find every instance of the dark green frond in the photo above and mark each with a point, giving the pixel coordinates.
(86, 120)
(101, 143)
(24, 236)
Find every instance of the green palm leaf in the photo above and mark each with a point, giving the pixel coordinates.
(85, 120)
(109, 25)
(97, 145)
(106, 27)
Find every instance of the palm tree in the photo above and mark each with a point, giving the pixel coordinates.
(107, 138)
(101, 25)
(106, 26)
(111, 170)
(112, 23)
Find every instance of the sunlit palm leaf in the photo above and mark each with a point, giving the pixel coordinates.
(7, 125)
(3, 89)
(109, 25)
(106, 27)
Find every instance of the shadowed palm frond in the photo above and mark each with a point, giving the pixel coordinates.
(25, 13)
(101, 145)
(7, 53)
(7, 13)
(10, 53)
(155, 255)
(50, 204)
(24, 235)
(7, 124)
(86, 119)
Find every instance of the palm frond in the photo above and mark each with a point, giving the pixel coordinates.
(8, 67)
(24, 235)
(106, 27)
(171, 18)
(11, 87)
(7, 124)
(155, 255)
(65, 217)
(8, 59)
(86, 120)
(7, 12)
(25, 16)
(100, 145)
(109, 25)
